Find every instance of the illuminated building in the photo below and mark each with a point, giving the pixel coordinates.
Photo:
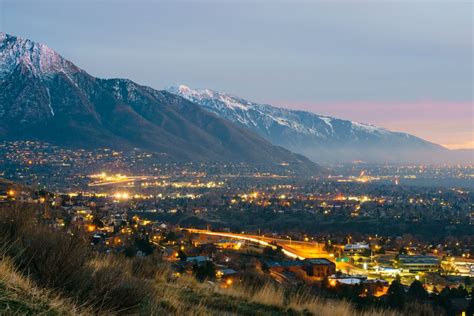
(314, 267)
(416, 263)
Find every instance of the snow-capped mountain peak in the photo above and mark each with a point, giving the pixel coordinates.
(221, 100)
(38, 58)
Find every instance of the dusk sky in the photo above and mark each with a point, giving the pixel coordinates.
(403, 65)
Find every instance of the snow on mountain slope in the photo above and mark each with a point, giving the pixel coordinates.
(265, 117)
(45, 97)
(322, 138)
(39, 58)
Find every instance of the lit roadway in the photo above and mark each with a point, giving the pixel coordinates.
(111, 180)
(291, 248)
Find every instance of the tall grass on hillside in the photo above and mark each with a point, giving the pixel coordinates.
(300, 302)
(19, 295)
(64, 262)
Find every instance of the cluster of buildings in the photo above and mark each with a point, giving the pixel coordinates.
(309, 271)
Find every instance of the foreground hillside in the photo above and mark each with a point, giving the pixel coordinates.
(20, 296)
(46, 97)
(37, 259)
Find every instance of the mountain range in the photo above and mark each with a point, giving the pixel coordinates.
(45, 97)
(321, 138)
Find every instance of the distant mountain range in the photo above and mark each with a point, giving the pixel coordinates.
(46, 97)
(321, 138)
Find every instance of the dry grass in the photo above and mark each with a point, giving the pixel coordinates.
(269, 295)
(112, 283)
(187, 296)
(20, 295)
(317, 306)
(64, 262)
(274, 295)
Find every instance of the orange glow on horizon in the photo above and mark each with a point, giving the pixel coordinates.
(465, 145)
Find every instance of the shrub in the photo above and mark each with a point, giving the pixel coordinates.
(63, 261)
